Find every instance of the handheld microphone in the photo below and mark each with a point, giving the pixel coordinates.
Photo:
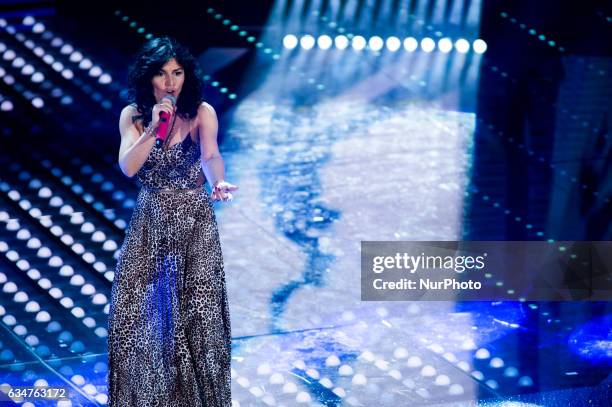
(164, 119)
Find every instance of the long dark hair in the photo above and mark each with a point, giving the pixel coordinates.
(148, 61)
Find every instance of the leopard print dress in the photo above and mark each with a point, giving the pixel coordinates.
(169, 340)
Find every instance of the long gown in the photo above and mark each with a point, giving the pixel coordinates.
(169, 340)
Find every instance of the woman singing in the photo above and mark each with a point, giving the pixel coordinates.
(169, 338)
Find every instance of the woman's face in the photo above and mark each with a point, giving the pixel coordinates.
(168, 81)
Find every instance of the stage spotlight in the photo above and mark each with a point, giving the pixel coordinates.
(85, 64)
(12, 255)
(100, 267)
(18, 62)
(44, 252)
(57, 66)
(56, 261)
(410, 44)
(48, 59)
(37, 77)
(78, 248)
(67, 74)
(56, 42)
(89, 257)
(56, 230)
(105, 79)
(14, 195)
(110, 245)
(341, 42)
(28, 20)
(95, 71)
(88, 227)
(6, 106)
(77, 218)
(66, 49)
(67, 239)
(27, 70)
(77, 280)
(324, 41)
(32, 306)
(375, 43)
(393, 44)
(99, 299)
(9, 80)
(23, 234)
(307, 41)
(480, 47)
(358, 43)
(9, 55)
(445, 45)
(76, 56)
(290, 41)
(38, 28)
(462, 46)
(427, 44)
(38, 103)
(46, 221)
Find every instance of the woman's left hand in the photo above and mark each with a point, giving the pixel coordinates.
(222, 191)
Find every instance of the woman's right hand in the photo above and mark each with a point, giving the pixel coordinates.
(164, 106)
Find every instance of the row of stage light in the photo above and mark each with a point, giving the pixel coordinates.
(376, 43)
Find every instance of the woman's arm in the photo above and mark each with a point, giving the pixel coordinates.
(135, 147)
(212, 162)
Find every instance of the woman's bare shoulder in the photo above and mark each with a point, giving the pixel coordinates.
(205, 109)
(131, 111)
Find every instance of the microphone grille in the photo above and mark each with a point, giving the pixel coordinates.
(171, 98)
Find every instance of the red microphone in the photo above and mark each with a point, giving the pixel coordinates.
(164, 121)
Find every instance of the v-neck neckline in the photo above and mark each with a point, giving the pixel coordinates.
(180, 142)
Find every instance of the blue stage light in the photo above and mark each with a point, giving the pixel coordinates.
(445, 45)
(105, 79)
(341, 42)
(592, 340)
(38, 103)
(38, 28)
(480, 47)
(462, 46)
(324, 42)
(358, 43)
(6, 106)
(290, 41)
(393, 44)
(66, 49)
(427, 44)
(76, 56)
(375, 43)
(410, 44)
(28, 20)
(307, 41)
